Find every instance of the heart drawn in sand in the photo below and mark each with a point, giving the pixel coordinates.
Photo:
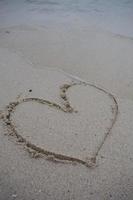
(72, 132)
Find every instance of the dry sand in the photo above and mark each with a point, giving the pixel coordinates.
(105, 60)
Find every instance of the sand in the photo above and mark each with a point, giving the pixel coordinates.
(35, 63)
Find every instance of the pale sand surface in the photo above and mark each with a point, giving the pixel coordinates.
(91, 54)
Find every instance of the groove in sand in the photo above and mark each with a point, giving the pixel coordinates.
(6, 117)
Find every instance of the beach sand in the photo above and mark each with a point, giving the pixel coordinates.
(35, 61)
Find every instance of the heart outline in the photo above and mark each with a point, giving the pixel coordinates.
(10, 108)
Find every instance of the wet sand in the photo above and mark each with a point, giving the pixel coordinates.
(90, 53)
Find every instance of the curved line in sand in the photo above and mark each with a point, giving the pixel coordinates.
(6, 116)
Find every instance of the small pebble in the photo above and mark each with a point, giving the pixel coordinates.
(14, 195)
